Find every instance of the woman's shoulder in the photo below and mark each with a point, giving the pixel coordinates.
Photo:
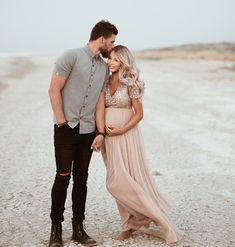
(136, 90)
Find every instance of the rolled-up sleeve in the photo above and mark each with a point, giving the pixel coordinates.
(64, 64)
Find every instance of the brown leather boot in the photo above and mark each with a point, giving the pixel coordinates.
(56, 235)
(81, 236)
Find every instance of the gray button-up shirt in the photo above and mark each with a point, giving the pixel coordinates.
(86, 75)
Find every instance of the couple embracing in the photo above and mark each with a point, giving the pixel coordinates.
(97, 106)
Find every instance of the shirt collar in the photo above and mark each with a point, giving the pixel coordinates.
(90, 53)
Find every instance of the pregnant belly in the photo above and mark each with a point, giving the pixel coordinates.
(117, 116)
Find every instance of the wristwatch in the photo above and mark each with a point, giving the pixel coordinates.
(101, 133)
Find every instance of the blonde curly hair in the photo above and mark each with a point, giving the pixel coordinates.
(128, 72)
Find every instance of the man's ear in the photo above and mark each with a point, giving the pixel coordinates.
(102, 40)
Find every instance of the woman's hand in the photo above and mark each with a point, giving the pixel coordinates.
(114, 130)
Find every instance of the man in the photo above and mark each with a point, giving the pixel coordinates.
(76, 93)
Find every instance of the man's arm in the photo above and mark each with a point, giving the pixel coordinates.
(100, 108)
(63, 67)
(57, 84)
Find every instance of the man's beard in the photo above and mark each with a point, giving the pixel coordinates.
(105, 53)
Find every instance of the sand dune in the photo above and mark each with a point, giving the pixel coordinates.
(213, 51)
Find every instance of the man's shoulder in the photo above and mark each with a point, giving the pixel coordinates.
(71, 54)
(72, 51)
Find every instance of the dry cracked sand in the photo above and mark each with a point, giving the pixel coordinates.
(189, 134)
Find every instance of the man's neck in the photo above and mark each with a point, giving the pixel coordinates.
(94, 47)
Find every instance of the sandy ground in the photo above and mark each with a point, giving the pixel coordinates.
(189, 133)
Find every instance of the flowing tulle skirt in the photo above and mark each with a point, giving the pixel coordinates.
(130, 181)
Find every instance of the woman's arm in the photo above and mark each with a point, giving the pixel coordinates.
(138, 115)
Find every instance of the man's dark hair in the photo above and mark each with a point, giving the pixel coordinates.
(103, 28)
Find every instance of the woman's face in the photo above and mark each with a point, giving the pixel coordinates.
(113, 63)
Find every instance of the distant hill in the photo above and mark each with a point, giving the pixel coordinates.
(209, 51)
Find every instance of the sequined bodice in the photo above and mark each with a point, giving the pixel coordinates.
(120, 98)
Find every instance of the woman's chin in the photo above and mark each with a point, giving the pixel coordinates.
(112, 70)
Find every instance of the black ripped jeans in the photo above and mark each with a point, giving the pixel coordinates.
(72, 154)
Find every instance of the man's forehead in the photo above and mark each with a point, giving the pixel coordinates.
(113, 37)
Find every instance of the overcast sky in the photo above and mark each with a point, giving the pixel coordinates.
(56, 25)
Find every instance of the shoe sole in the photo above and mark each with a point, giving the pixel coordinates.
(87, 245)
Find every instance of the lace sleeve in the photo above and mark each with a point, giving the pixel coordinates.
(135, 92)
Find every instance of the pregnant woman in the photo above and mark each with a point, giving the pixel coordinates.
(128, 177)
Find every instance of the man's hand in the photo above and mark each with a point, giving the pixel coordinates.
(97, 143)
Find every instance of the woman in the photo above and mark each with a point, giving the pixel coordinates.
(128, 177)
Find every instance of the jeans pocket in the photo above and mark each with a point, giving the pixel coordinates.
(60, 130)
